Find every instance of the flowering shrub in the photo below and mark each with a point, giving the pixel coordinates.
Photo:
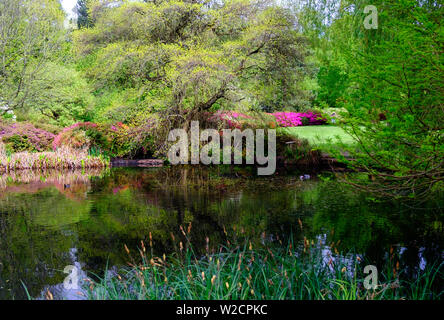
(23, 136)
(134, 139)
(109, 140)
(232, 119)
(74, 136)
(295, 119)
(228, 119)
(237, 120)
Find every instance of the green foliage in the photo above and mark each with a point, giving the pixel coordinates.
(184, 57)
(332, 86)
(398, 72)
(305, 121)
(394, 100)
(65, 99)
(18, 143)
(266, 273)
(31, 37)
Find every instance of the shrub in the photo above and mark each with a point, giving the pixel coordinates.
(237, 120)
(110, 140)
(305, 121)
(296, 151)
(74, 136)
(295, 119)
(23, 136)
(136, 139)
(17, 143)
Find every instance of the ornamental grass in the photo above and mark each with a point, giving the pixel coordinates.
(62, 158)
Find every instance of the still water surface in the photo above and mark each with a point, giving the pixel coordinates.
(51, 220)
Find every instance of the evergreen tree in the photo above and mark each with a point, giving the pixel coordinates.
(81, 9)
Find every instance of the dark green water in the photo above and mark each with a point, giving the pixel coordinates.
(51, 220)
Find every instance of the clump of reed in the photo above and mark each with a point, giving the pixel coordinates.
(62, 158)
(263, 273)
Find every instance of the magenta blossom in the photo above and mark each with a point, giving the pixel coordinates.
(294, 119)
(58, 138)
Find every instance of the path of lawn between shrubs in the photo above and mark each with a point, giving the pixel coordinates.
(321, 136)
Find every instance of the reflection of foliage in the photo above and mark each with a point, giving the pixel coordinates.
(371, 227)
(28, 252)
(30, 181)
(99, 216)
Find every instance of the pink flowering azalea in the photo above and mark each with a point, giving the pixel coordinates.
(294, 119)
(58, 138)
(39, 138)
(231, 118)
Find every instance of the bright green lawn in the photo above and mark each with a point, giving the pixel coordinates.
(321, 135)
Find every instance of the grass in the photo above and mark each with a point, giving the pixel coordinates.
(321, 136)
(268, 272)
(63, 158)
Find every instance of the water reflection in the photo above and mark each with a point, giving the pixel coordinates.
(43, 216)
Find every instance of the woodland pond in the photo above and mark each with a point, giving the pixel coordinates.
(54, 219)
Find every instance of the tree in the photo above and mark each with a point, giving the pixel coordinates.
(65, 99)
(332, 83)
(395, 74)
(81, 9)
(31, 34)
(185, 57)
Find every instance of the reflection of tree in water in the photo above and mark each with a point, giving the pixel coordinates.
(122, 206)
(129, 204)
(28, 252)
(374, 228)
(73, 184)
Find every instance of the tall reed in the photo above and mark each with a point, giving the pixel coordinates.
(63, 158)
(244, 272)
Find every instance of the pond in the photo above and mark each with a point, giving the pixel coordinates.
(54, 219)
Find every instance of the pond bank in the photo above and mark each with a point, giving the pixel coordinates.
(137, 163)
(325, 162)
(63, 158)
